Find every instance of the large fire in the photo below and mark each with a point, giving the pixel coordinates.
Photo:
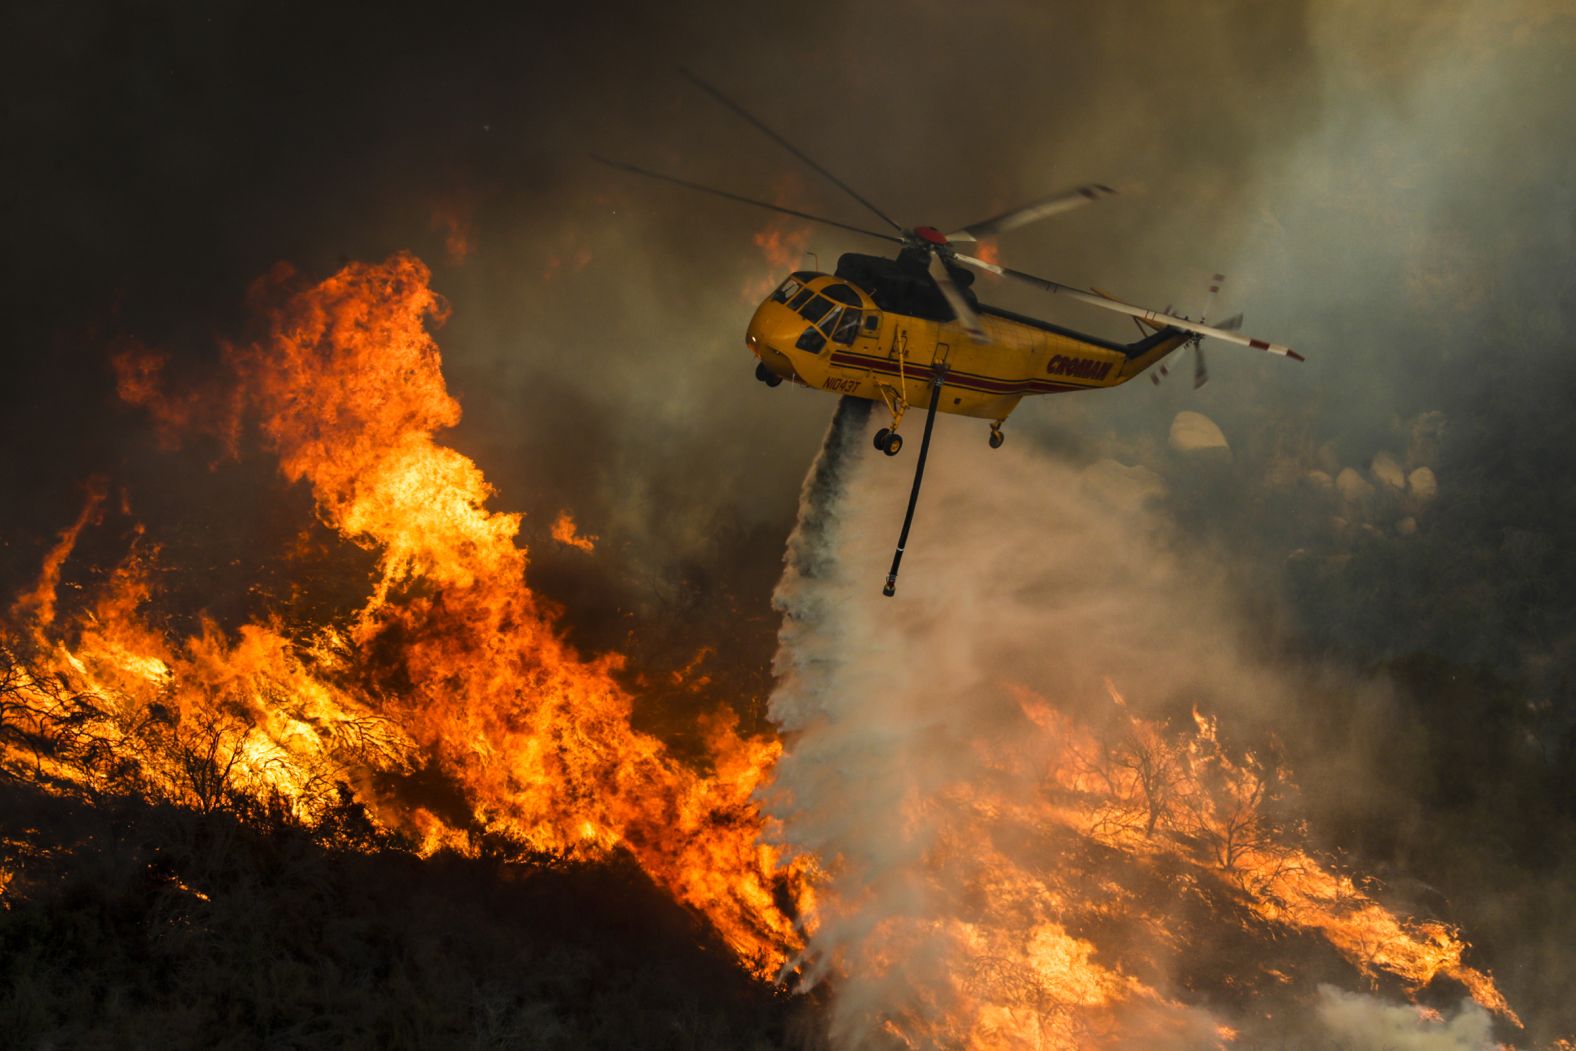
(452, 663)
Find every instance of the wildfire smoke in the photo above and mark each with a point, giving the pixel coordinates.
(1009, 864)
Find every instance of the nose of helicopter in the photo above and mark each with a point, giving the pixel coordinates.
(769, 337)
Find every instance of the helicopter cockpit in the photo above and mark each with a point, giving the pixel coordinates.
(835, 312)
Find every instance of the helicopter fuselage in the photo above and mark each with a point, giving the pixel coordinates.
(830, 333)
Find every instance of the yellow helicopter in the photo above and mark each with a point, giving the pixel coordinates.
(909, 330)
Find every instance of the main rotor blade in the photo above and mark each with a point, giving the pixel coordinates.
(1154, 317)
(675, 180)
(785, 144)
(956, 300)
(1028, 213)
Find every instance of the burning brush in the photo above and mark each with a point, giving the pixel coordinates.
(451, 660)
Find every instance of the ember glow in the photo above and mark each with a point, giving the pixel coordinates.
(567, 533)
(968, 864)
(783, 243)
(454, 224)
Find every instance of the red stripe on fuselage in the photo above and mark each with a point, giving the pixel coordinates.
(965, 380)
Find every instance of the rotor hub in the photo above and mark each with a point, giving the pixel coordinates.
(930, 235)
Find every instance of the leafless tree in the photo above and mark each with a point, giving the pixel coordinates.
(1138, 773)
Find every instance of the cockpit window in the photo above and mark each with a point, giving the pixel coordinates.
(800, 299)
(811, 340)
(816, 309)
(846, 327)
(841, 293)
(787, 290)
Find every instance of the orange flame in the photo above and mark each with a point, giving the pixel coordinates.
(565, 532)
(451, 658)
(1149, 795)
(39, 603)
(140, 381)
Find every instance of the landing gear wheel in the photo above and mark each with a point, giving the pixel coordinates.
(996, 438)
(766, 375)
(881, 437)
(894, 442)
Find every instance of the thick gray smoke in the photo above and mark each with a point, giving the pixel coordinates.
(909, 752)
(1365, 1023)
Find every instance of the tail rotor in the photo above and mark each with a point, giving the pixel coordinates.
(1231, 324)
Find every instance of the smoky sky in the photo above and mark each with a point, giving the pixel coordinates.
(1388, 189)
(169, 158)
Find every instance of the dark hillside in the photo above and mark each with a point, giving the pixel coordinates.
(129, 925)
